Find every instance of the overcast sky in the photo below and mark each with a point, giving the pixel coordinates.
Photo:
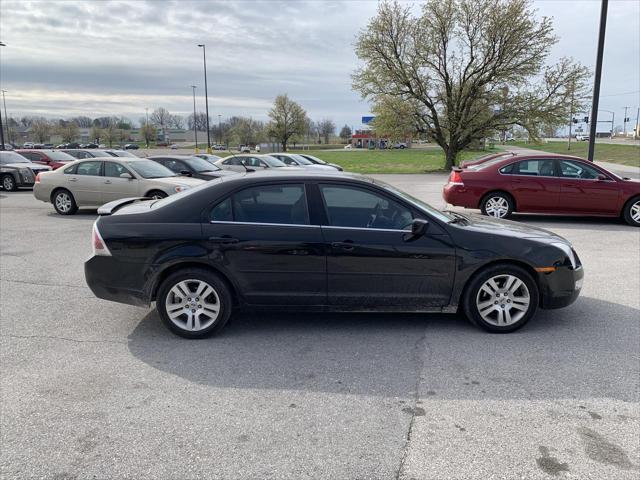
(97, 58)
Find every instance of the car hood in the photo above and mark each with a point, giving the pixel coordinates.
(217, 173)
(320, 167)
(508, 228)
(173, 181)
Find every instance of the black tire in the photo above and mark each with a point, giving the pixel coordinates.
(490, 202)
(190, 276)
(631, 209)
(9, 183)
(156, 194)
(61, 198)
(475, 295)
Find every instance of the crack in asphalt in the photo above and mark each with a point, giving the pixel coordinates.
(419, 359)
(66, 339)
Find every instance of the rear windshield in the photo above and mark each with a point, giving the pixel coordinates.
(273, 161)
(12, 157)
(150, 169)
(61, 156)
(488, 163)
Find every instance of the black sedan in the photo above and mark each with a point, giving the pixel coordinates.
(191, 166)
(322, 241)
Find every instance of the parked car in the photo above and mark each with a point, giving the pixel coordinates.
(208, 157)
(295, 160)
(319, 161)
(544, 183)
(48, 146)
(400, 145)
(27, 145)
(17, 171)
(582, 138)
(485, 158)
(348, 147)
(53, 158)
(67, 145)
(173, 146)
(121, 153)
(191, 166)
(79, 154)
(93, 182)
(8, 146)
(315, 240)
(244, 149)
(219, 147)
(250, 163)
(131, 146)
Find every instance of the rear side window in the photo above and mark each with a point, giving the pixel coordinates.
(507, 169)
(71, 170)
(284, 204)
(540, 168)
(112, 169)
(89, 168)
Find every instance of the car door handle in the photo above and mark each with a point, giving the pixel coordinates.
(225, 239)
(346, 245)
(73, 179)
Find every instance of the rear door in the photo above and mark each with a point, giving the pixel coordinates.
(86, 183)
(534, 184)
(583, 192)
(115, 187)
(262, 235)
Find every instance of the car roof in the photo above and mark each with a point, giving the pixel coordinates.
(297, 174)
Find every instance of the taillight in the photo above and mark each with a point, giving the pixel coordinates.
(99, 247)
(455, 178)
(38, 178)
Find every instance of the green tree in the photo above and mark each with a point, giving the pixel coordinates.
(288, 118)
(148, 133)
(69, 131)
(394, 118)
(345, 133)
(468, 68)
(95, 133)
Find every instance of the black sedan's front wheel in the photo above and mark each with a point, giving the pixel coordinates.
(501, 298)
(194, 303)
(9, 183)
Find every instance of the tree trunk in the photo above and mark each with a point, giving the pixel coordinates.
(284, 146)
(450, 158)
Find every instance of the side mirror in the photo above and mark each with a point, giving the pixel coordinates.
(601, 177)
(186, 173)
(418, 229)
(126, 175)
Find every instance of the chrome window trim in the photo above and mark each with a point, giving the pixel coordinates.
(367, 229)
(264, 224)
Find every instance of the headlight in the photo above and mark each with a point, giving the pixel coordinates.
(181, 188)
(25, 171)
(568, 251)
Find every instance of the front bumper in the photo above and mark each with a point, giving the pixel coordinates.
(560, 288)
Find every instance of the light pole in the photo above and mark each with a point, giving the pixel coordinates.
(206, 94)
(596, 80)
(219, 129)
(1, 127)
(6, 117)
(195, 124)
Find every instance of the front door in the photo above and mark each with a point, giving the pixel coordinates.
(370, 263)
(583, 192)
(535, 186)
(115, 187)
(86, 183)
(262, 237)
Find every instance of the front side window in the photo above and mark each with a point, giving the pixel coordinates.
(359, 208)
(112, 169)
(89, 168)
(175, 165)
(571, 169)
(539, 168)
(283, 204)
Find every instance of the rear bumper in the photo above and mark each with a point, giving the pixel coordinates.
(459, 196)
(116, 281)
(560, 288)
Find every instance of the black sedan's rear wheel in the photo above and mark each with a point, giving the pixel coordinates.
(64, 203)
(498, 205)
(501, 298)
(9, 183)
(194, 303)
(632, 212)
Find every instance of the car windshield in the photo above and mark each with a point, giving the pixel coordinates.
(150, 169)
(121, 153)
(315, 159)
(301, 160)
(60, 156)
(442, 216)
(12, 157)
(184, 193)
(199, 165)
(100, 153)
(273, 162)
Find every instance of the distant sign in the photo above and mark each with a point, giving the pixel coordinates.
(366, 120)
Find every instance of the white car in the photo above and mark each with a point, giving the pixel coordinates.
(92, 182)
(28, 145)
(250, 163)
(173, 146)
(295, 160)
(582, 138)
(348, 147)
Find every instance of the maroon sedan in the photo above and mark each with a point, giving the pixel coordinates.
(52, 158)
(544, 183)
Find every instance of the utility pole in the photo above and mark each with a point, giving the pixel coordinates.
(613, 117)
(219, 129)
(206, 95)
(573, 89)
(624, 122)
(596, 81)
(635, 130)
(6, 120)
(195, 123)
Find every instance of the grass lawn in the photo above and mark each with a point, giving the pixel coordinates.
(605, 152)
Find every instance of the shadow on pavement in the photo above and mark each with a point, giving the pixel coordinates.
(577, 352)
(581, 223)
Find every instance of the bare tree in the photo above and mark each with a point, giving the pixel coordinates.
(95, 133)
(148, 132)
(200, 121)
(176, 121)
(82, 121)
(467, 68)
(288, 118)
(326, 128)
(161, 117)
(69, 131)
(41, 129)
(345, 133)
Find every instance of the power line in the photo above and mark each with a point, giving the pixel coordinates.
(620, 94)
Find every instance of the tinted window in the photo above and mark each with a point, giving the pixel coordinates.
(286, 204)
(174, 165)
(222, 212)
(251, 162)
(149, 169)
(359, 208)
(542, 168)
(232, 161)
(508, 169)
(112, 169)
(572, 169)
(89, 168)
(286, 160)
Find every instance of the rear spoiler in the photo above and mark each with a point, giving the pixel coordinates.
(111, 207)
(457, 169)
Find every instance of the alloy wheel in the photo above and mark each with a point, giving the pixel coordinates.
(635, 211)
(8, 183)
(503, 300)
(497, 207)
(192, 305)
(63, 202)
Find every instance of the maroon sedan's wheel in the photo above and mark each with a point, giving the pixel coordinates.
(498, 205)
(632, 212)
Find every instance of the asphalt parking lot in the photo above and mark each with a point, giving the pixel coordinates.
(92, 389)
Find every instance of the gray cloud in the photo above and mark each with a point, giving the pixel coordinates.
(118, 57)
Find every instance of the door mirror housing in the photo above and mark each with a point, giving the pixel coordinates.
(601, 177)
(186, 173)
(418, 229)
(126, 175)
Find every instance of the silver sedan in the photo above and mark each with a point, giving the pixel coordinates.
(96, 181)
